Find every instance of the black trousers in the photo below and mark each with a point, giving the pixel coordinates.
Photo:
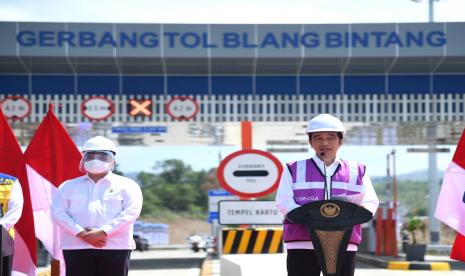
(7, 265)
(96, 262)
(303, 262)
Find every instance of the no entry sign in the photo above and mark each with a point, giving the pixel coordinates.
(15, 107)
(182, 108)
(250, 173)
(97, 108)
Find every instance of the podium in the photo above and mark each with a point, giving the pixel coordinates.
(7, 249)
(330, 223)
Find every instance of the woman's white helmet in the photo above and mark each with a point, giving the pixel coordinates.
(99, 143)
(325, 122)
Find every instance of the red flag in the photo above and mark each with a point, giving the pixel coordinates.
(52, 152)
(458, 249)
(450, 208)
(51, 157)
(12, 162)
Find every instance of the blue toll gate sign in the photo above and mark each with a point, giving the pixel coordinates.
(139, 129)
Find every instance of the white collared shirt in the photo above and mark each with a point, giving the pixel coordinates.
(329, 170)
(112, 205)
(15, 207)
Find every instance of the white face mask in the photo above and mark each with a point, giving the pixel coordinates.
(96, 166)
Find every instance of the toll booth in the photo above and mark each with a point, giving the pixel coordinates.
(386, 230)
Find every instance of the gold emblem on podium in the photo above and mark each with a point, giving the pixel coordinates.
(329, 210)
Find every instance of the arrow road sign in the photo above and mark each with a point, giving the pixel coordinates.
(250, 173)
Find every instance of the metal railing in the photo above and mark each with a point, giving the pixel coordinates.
(367, 108)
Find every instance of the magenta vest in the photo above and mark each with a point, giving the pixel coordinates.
(308, 185)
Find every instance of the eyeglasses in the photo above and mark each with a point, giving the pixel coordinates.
(105, 156)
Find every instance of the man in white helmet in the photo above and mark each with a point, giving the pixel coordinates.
(321, 177)
(96, 213)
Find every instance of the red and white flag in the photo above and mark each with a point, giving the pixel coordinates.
(51, 157)
(450, 208)
(458, 249)
(12, 163)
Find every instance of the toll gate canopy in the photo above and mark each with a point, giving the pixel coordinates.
(363, 73)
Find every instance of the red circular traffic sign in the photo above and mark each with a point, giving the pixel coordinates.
(250, 173)
(16, 107)
(97, 108)
(182, 108)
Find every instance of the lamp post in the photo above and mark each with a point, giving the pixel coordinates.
(392, 189)
(391, 223)
(430, 9)
(434, 225)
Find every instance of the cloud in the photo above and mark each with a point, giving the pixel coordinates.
(228, 11)
(14, 14)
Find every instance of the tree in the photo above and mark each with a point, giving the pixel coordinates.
(117, 171)
(175, 187)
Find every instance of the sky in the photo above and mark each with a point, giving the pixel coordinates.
(242, 12)
(227, 11)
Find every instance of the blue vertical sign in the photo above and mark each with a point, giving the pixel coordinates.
(214, 196)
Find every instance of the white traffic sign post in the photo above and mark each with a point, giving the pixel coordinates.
(182, 108)
(16, 107)
(214, 196)
(249, 212)
(250, 173)
(97, 108)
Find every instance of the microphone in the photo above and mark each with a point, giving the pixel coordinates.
(322, 155)
(326, 193)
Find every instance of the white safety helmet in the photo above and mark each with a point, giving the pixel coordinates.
(99, 143)
(325, 122)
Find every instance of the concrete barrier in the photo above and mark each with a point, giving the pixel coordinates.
(253, 264)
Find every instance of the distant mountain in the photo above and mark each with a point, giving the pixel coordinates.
(412, 176)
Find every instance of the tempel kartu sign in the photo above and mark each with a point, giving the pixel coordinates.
(249, 212)
(250, 173)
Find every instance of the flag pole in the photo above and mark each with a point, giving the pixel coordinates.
(54, 263)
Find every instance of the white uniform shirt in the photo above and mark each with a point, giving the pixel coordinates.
(15, 207)
(286, 203)
(112, 205)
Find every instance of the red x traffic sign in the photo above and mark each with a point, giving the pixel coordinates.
(140, 107)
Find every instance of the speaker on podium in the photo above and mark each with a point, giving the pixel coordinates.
(7, 249)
